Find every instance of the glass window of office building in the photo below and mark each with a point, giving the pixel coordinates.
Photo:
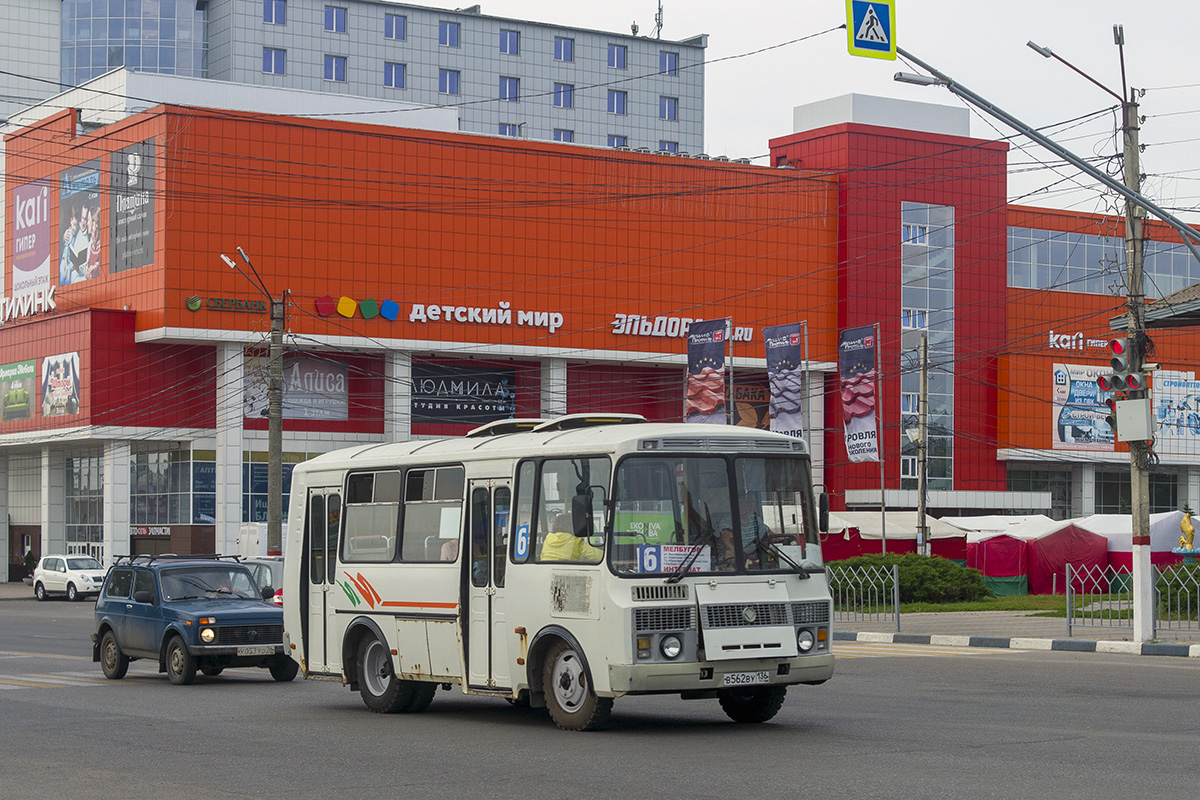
(166, 36)
(85, 503)
(927, 300)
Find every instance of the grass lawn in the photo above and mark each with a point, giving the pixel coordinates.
(1052, 605)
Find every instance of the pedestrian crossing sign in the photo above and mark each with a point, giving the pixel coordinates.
(871, 28)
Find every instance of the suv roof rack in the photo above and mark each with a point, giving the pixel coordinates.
(144, 558)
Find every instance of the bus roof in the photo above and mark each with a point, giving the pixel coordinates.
(572, 434)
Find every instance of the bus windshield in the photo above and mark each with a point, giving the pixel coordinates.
(713, 514)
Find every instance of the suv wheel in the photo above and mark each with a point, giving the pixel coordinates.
(39, 591)
(181, 667)
(72, 592)
(284, 669)
(112, 660)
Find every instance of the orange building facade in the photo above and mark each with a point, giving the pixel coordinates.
(437, 281)
(433, 281)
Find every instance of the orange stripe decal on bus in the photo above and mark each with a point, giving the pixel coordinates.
(398, 604)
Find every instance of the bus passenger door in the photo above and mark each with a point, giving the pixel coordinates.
(487, 637)
(319, 573)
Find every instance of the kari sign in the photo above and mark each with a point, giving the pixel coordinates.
(31, 239)
(60, 385)
(1079, 410)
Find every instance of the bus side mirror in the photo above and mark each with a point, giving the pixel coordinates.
(823, 512)
(581, 515)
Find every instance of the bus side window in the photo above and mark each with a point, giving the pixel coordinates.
(523, 544)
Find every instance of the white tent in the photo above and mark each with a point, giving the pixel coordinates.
(986, 526)
(900, 525)
(1118, 530)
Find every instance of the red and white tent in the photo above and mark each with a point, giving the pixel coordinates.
(1051, 545)
(1117, 529)
(1002, 559)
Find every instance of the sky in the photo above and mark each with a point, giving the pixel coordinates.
(750, 95)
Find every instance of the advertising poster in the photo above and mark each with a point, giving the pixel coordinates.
(1176, 410)
(704, 397)
(750, 406)
(60, 385)
(856, 368)
(1079, 409)
(313, 388)
(785, 375)
(131, 238)
(79, 223)
(17, 383)
(31, 238)
(469, 395)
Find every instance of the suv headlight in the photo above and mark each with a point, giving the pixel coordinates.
(207, 635)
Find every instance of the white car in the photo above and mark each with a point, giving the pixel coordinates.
(70, 575)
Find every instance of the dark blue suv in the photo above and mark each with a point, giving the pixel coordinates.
(189, 613)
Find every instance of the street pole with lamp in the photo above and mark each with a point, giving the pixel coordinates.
(1136, 206)
(274, 407)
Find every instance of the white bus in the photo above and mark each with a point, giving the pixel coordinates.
(562, 563)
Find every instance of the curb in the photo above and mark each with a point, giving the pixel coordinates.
(1020, 643)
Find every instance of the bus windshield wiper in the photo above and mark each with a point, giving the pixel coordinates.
(777, 551)
(707, 536)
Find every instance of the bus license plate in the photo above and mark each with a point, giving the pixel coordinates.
(258, 650)
(745, 678)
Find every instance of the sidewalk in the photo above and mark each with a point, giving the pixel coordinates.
(1015, 629)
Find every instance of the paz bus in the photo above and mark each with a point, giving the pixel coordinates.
(561, 563)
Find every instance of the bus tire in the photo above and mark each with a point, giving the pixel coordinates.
(752, 703)
(381, 690)
(572, 703)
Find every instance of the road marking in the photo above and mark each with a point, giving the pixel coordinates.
(882, 650)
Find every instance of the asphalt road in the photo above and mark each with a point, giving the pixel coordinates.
(895, 722)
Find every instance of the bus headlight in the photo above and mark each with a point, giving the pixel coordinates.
(805, 640)
(207, 635)
(670, 647)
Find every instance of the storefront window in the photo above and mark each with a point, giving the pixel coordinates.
(160, 485)
(1056, 482)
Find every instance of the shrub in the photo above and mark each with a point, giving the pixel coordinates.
(1179, 592)
(927, 580)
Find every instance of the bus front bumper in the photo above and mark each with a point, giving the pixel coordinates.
(692, 676)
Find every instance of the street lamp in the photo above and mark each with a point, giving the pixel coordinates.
(274, 407)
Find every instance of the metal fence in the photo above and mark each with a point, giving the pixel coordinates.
(1102, 597)
(865, 594)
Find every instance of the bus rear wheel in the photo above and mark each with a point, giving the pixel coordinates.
(752, 703)
(569, 697)
(381, 690)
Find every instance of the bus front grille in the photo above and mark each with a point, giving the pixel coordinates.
(740, 615)
(666, 618)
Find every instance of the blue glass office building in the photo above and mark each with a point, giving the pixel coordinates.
(165, 36)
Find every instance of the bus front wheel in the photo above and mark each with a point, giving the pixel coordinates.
(381, 690)
(569, 697)
(752, 703)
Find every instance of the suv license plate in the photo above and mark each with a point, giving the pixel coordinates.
(262, 650)
(745, 678)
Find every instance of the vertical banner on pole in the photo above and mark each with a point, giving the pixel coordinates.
(856, 366)
(705, 393)
(785, 375)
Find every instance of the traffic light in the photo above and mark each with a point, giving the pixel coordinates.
(1124, 377)
(1111, 417)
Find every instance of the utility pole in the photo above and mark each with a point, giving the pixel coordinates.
(275, 433)
(923, 445)
(274, 404)
(1139, 451)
